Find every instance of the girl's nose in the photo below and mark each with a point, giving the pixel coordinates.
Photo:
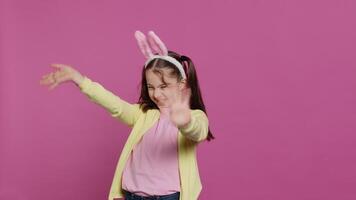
(156, 94)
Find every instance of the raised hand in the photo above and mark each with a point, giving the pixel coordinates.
(62, 73)
(180, 108)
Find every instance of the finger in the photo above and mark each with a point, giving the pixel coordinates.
(46, 76)
(176, 97)
(186, 94)
(54, 76)
(47, 80)
(181, 95)
(53, 86)
(58, 66)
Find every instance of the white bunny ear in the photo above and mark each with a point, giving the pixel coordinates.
(156, 44)
(143, 44)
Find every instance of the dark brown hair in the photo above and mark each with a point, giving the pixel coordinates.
(196, 100)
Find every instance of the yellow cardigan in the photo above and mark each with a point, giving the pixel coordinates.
(130, 114)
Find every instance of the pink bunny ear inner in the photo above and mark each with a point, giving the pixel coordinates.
(157, 44)
(143, 44)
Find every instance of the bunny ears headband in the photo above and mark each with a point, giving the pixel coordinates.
(153, 43)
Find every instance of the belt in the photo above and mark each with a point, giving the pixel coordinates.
(154, 197)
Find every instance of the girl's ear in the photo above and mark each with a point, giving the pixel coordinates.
(183, 84)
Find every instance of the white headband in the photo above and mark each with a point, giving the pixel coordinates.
(171, 60)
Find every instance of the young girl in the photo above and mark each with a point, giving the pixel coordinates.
(158, 160)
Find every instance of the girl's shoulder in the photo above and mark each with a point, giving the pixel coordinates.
(198, 111)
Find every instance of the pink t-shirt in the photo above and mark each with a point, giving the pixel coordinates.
(152, 168)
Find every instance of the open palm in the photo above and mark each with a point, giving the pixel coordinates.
(62, 73)
(180, 108)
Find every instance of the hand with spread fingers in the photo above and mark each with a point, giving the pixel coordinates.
(62, 73)
(180, 108)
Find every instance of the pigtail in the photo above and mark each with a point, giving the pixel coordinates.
(185, 62)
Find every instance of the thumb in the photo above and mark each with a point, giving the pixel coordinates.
(186, 94)
(58, 66)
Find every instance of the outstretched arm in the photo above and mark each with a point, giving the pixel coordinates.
(118, 108)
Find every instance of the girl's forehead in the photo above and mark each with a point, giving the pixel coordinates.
(156, 78)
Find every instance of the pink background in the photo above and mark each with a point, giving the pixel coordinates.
(278, 80)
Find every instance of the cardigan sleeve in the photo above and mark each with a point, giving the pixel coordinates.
(198, 127)
(118, 108)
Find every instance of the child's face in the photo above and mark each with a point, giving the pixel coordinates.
(162, 93)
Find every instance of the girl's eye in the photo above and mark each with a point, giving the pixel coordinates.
(162, 87)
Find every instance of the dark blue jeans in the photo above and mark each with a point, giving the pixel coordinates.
(131, 196)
